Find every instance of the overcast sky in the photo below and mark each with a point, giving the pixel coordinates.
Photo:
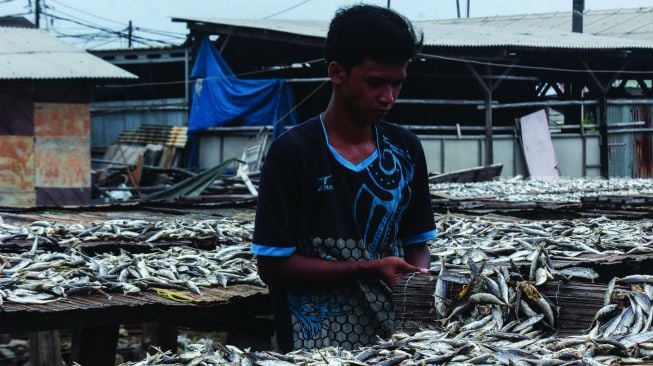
(113, 15)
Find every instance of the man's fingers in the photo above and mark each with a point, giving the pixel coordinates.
(408, 268)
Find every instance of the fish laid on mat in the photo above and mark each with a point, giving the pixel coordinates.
(221, 230)
(517, 189)
(41, 277)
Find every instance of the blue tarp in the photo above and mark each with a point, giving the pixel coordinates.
(222, 99)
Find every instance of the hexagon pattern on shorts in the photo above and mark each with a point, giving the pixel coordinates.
(349, 315)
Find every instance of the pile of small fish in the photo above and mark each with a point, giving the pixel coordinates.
(13, 349)
(222, 230)
(517, 189)
(623, 339)
(38, 277)
(496, 315)
(499, 241)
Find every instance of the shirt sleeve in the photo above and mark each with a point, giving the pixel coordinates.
(417, 224)
(276, 209)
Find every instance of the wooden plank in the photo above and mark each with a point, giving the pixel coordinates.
(477, 174)
(538, 147)
(100, 310)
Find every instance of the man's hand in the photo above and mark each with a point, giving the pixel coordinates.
(302, 271)
(390, 269)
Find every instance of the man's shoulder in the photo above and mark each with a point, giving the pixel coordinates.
(298, 138)
(302, 134)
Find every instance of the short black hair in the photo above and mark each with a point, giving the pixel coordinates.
(366, 31)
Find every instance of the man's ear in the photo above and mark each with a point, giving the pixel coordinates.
(336, 72)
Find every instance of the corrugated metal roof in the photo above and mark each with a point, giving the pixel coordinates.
(451, 34)
(633, 23)
(471, 35)
(33, 54)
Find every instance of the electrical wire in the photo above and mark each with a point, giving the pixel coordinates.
(18, 15)
(159, 31)
(287, 9)
(87, 13)
(75, 17)
(121, 33)
(529, 67)
(139, 34)
(142, 29)
(209, 78)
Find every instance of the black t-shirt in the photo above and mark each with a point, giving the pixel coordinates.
(314, 202)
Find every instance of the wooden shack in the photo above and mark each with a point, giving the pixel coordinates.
(45, 91)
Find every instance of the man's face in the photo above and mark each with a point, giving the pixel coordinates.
(370, 89)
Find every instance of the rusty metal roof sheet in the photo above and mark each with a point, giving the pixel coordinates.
(27, 53)
(632, 23)
(436, 34)
(175, 136)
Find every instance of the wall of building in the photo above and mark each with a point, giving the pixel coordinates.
(630, 153)
(109, 119)
(44, 144)
(443, 153)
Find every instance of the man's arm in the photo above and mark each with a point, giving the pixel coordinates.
(300, 270)
(418, 255)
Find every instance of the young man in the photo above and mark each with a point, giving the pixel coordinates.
(344, 196)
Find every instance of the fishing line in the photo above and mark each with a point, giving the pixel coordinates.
(405, 300)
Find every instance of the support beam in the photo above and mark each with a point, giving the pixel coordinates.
(489, 139)
(489, 146)
(544, 90)
(602, 119)
(603, 86)
(541, 103)
(557, 89)
(225, 42)
(443, 101)
(644, 87)
(563, 103)
(489, 87)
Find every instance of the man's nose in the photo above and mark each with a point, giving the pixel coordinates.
(388, 95)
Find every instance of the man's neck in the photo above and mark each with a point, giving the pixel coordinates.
(344, 129)
(351, 138)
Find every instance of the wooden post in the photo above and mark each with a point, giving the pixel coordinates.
(602, 120)
(488, 87)
(161, 335)
(489, 142)
(45, 348)
(95, 346)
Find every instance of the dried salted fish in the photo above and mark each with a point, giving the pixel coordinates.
(223, 230)
(560, 190)
(48, 276)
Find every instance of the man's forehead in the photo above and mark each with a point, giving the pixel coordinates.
(375, 68)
